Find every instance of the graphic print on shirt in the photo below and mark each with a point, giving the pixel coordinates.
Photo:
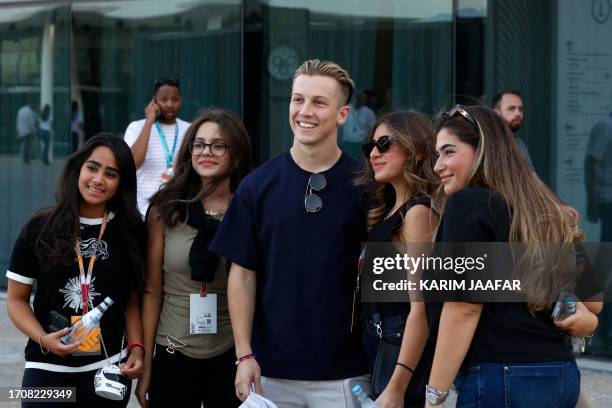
(72, 294)
(87, 247)
(72, 289)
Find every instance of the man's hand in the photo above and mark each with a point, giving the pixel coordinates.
(248, 373)
(152, 111)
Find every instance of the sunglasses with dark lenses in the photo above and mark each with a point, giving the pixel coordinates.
(382, 144)
(313, 202)
(458, 110)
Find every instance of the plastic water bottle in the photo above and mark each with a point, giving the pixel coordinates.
(80, 330)
(575, 342)
(363, 398)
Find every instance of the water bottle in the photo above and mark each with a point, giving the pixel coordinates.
(363, 398)
(575, 342)
(80, 330)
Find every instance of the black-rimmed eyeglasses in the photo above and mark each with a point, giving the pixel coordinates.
(217, 149)
(383, 144)
(313, 202)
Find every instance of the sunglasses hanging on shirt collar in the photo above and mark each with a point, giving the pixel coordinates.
(312, 202)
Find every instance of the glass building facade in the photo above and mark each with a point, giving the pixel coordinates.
(88, 66)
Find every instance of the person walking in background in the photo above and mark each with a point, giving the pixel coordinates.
(45, 127)
(197, 365)
(598, 183)
(154, 140)
(400, 179)
(293, 233)
(598, 177)
(77, 127)
(26, 130)
(502, 352)
(95, 219)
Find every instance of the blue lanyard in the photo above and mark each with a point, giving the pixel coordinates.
(164, 144)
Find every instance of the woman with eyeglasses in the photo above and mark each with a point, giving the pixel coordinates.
(399, 176)
(185, 312)
(502, 354)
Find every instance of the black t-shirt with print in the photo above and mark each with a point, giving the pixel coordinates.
(60, 289)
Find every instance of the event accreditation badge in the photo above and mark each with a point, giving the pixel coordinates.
(202, 313)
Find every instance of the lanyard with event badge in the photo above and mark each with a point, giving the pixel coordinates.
(91, 344)
(203, 305)
(203, 311)
(167, 153)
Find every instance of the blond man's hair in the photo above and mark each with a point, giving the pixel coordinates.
(330, 69)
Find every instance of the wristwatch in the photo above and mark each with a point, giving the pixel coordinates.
(435, 397)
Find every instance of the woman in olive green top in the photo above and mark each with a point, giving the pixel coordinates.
(184, 312)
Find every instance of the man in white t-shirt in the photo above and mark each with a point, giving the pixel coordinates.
(155, 139)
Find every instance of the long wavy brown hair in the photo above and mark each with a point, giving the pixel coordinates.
(185, 187)
(537, 216)
(415, 136)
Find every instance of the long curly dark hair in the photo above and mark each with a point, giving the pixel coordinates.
(55, 242)
(185, 187)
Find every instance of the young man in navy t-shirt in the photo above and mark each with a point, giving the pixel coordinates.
(293, 232)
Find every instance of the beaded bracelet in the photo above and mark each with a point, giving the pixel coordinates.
(243, 358)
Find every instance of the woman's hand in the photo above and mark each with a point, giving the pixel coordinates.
(580, 324)
(52, 342)
(134, 365)
(391, 397)
(142, 388)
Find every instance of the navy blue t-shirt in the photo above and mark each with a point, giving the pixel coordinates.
(306, 265)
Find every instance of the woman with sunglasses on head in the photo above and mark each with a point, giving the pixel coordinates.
(506, 354)
(399, 176)
(186, 284)
(88, 246)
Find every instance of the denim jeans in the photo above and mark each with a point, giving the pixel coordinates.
(553, 385)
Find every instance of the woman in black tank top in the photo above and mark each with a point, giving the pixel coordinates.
(399, 176)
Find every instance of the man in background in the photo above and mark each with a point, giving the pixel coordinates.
(155, 139)
(509, 105)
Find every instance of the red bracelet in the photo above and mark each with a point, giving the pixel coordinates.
(245, 357)
(135, 344)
